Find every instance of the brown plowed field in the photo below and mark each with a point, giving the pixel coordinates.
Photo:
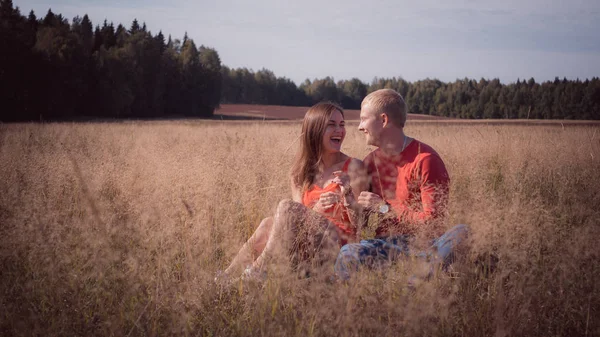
(250, 111)
(291, 113)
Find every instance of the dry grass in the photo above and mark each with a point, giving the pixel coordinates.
(118, 229)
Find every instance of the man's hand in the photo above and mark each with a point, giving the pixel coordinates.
(370, 200)
(326, 201)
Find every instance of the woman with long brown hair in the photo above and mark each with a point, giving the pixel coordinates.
(323, 213)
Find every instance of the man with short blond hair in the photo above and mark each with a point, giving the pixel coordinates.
(390, 101)
(409, 192)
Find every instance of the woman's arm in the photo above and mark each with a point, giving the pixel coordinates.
(296, 192)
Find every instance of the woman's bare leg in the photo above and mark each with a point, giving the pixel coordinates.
(295, 225)
(252, 248)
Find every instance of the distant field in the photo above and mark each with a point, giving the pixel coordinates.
(288, 112)
(277, 112)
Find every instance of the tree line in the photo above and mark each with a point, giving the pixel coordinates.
(463, 98)
(51, 68)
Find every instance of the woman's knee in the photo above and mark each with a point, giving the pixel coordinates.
(266, 224)
(286, 206)
(264, 228)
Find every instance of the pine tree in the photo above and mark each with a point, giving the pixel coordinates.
(109, 37)
(32, 19)
(98, 39)
(160, 41)
(7, 10)
(49, 19)
(86, 35)
(31, 29)
(121, 35)
(135, 27)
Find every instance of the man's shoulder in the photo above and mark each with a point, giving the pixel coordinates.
(425, 149)
(369, 158)
(418, 151)
(427, 159)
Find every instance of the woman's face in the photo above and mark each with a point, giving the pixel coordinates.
(335, 132)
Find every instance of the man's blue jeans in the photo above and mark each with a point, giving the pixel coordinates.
(377, 252)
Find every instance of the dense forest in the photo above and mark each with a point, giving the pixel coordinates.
(464, 98)
(51, 68)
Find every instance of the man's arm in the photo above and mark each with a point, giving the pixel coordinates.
(434, 189)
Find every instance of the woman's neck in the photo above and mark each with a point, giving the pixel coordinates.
(330, 159)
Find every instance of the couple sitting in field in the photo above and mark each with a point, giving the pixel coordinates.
(401, 189)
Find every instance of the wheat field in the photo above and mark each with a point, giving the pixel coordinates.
(118, 229)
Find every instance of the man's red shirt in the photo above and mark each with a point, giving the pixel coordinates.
(416, 185)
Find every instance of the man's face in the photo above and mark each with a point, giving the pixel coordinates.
(371, 124)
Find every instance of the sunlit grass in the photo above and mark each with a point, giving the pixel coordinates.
(116, 229)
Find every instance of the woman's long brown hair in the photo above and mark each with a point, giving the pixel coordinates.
(310, 155)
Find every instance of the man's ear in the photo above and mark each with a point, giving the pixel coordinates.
(385, 119)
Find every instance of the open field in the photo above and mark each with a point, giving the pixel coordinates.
(270, 112)
(293, 113)
(119, 228)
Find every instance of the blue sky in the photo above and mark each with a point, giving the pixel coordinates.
(447, 40)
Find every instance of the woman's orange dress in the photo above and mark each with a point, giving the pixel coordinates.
(338, 214)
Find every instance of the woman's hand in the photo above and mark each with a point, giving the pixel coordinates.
(343, 180)
(326, 201)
